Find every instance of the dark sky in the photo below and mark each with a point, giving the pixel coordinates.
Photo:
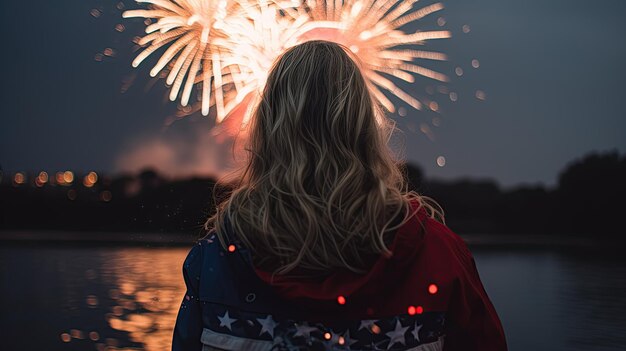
(553, 73)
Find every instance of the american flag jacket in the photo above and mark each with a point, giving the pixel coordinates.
(427, 296)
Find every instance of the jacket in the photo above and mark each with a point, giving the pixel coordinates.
(427, 296)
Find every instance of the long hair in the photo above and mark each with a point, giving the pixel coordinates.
(321, 189)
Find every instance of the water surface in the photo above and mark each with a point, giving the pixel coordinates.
(126, 298)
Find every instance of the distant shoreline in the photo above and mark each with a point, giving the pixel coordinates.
(100, 238)
(31, 237)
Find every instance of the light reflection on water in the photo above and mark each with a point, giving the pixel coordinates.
(147, 289)
(86, 298)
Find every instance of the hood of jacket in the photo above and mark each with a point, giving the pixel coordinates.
(344, 284)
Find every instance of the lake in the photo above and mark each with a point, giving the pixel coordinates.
(126, 298)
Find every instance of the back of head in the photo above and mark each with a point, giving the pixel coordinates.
(321, 189)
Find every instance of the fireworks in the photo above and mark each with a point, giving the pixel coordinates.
(370, 29)
(229, 46)
(186, 27)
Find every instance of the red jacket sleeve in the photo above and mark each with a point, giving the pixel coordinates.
(472, 322)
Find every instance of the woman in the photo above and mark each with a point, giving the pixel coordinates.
(320, 247)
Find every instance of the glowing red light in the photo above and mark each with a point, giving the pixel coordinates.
(341, 300)
(375, 329)
(419, 310)
(231, 248)
(432, 288)
(411, 310)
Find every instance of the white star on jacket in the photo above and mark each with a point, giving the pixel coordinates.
(416, 332)
(397, 336)
(304, 330)
(267, 325)
(367, 324)
(347, 340)
(226, 321)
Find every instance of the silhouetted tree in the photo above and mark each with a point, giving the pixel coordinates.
(591, 195)
(589, 200)
(415, 176)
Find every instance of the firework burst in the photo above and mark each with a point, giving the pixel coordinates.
(187, 28)
(229, 46)
(371, 30)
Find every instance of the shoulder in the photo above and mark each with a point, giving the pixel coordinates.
(204, 249)
(440, 238)
(434, 233)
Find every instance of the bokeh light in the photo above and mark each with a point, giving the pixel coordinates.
(19, 178)
(65, 337)
(106, 196)
(90, 179)
(441, 161)
(480, 95)
(68, 177)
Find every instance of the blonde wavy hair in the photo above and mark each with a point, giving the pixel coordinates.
(321, 189)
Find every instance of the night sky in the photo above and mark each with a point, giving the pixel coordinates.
(553, 73)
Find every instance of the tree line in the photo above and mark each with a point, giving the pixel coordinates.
(587, 201)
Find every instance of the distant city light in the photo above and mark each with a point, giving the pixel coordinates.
(59, 178)
(92, 300)
(41, 179)
(90, 179)
(106, 196)
(19, 178)
(76, 334)
(68, 177)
